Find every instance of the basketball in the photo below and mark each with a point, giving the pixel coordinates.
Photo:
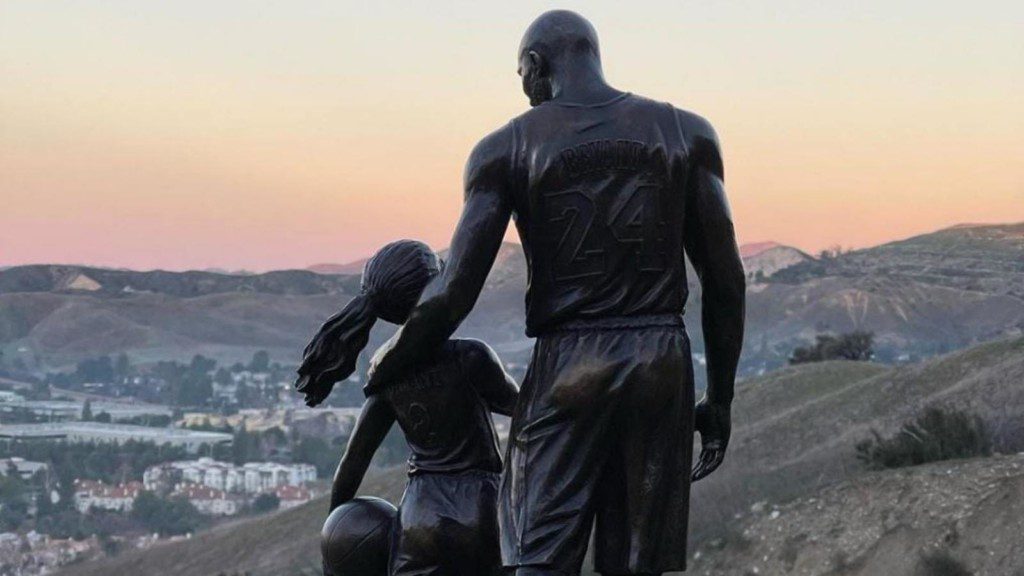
(355, 538)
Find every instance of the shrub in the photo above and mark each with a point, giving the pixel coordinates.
(265, 503)
(168, 517)
(937, 434)
(941, 563)
(852, 346)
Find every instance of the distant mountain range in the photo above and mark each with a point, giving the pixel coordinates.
(355, 267)
(920, 296)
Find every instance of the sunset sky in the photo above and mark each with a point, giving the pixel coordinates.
(264, 135)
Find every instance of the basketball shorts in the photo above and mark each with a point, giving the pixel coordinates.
(447, 526)
(603, 431)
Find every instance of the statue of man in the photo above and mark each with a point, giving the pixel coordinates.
(608, 190)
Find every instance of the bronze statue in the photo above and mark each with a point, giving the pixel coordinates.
(446, 523)
(609, 190)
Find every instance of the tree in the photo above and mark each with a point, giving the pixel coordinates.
(260, 361)
(13, 504)
(168, 517)
(201, 365)
(831, 253)
(87, 411)
(853, 346)
(122, 367)
(245, 447)
(222, 376)
(317, 452)
(265, 502)
(95, 370)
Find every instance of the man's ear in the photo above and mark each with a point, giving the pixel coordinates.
(538, 63)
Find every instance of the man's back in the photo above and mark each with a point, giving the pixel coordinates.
(599, 202)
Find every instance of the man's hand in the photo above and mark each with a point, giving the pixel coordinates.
(378, 358)
(714, 424)
(385, 363)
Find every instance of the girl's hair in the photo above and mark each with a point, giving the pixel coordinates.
(393, 280)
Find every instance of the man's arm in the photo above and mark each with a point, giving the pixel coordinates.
(711, 245)
(373, 425)
(495, 385)
(447, 300)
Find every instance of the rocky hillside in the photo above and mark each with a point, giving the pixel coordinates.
(977, 258)
(921, 296)
(763, 259)
(944, 519)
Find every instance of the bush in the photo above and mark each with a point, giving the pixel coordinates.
(852, 346)
(169, 517)
(941, 563)
(937, 434)
(265, 503)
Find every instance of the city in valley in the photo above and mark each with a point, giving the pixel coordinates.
(110, 456)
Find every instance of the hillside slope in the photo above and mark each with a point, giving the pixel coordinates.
(970, 512)
(795, 431)
(284, 543)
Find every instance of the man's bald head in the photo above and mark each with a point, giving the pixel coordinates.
(559, 34)
(559, 42)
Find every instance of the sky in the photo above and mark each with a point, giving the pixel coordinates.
(265, 135)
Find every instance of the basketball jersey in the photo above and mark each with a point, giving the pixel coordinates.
(598, 201)
(441, 409)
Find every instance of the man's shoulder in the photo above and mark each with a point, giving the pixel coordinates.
(491, 158)
(695, 127)
(498, 141)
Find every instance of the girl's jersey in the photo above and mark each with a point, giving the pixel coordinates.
(444, 408)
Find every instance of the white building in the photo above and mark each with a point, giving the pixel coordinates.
(210, 501)
(23, 468)
(191, 440)
(8, 396)
(68, 410)
(252, 478)
(90, 494)
(292, 496)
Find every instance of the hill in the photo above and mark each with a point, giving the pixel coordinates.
(354, 267)
(763, 259)
(108, 282)
(921, 521)
(922, 296)
(978, 258)
(795, 431)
